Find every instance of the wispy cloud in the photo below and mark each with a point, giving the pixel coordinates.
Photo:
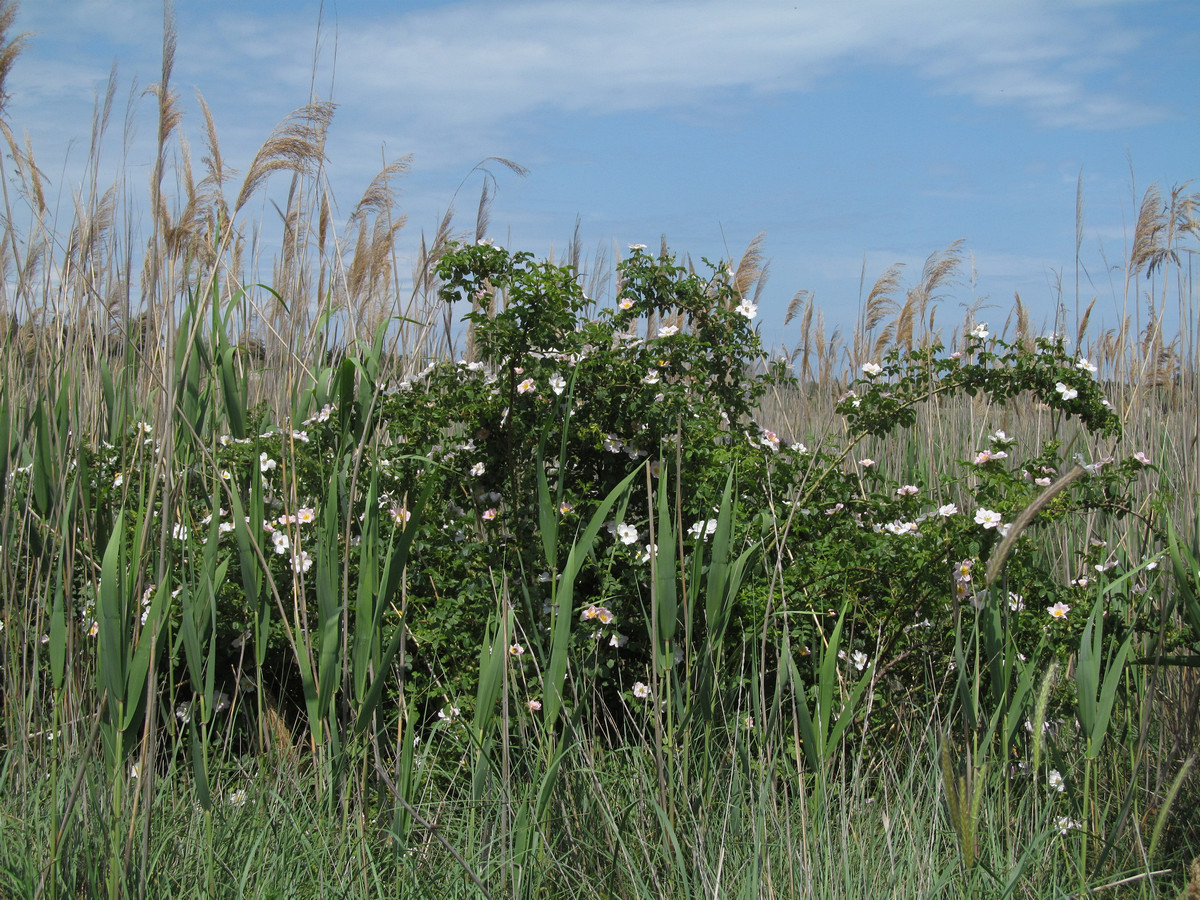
(445, 79)
(471, 64)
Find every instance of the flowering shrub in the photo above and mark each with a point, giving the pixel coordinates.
(478, 466)
(910, 567)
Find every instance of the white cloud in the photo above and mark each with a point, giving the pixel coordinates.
(470, 64)
(447, 79)
(474, 62)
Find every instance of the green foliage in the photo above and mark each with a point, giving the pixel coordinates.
(513, 451)
(585, 522)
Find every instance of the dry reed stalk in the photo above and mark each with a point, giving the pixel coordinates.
(1000, 556)
(801, 305)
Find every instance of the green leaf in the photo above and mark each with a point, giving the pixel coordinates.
(562, 604)
(1095, 698)
(666, 596)
(367, 595)
(58, 631)
(140, 664)
(234, 393)
(392, 573)
(113, 637)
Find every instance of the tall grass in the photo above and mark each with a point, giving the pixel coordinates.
(126, 777)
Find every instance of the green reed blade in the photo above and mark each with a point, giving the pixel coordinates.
(111, 644)
(252, 569)
(58, 629)
(1096, 698)
(390, 579)
(666, 593)
(492, 656)
(1186, 570)
(562, 604)
(329, 610)
(1167, 805)
(44, 477)
(233, 389)
(366, 643)
(139, 665)
(810, 741)
(199, 751)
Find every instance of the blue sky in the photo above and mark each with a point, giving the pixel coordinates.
(856, 133)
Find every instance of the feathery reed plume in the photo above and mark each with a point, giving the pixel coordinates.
(296, 145)
(425, 284)
(380, 197)
(483, 214)
(797, 305)
(883, 341)
(10, 48)
(880, 302)
(761, 283)
(27, 171)
(371, 266)
(424, 266)
(938, 269)
(92, 225)
(101, 113)
(35, 179)
(1023, 332)
(819, 344)
(212, 186)
(489, 181)
(1013, 313)
(169, 117)
(904, 321)
(359, 262)
(1147, 234)
(169, 113)
(178, 235)
(575, 258)
(599, 275)
(1083, 324)
(829, 373)
(324, 225)
(35, 250)
(371, 277)
(750, 267)
(806, 341)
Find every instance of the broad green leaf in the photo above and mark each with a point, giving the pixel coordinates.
(140, 663)
(113, 637)
(666, 593)
(562, 605)
(392, 574)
